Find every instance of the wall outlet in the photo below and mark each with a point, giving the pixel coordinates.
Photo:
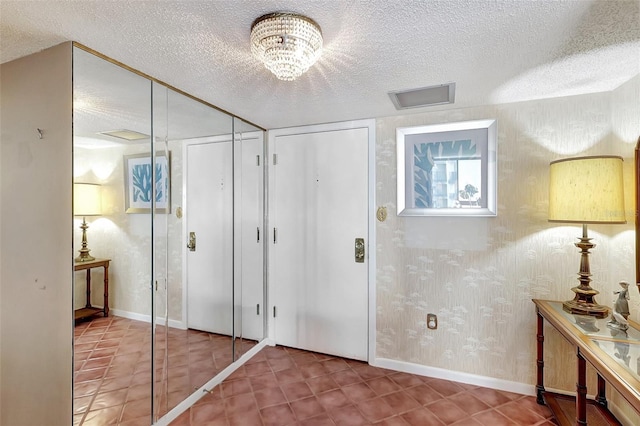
(432, 321)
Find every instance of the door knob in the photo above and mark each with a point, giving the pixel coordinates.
(192, 241)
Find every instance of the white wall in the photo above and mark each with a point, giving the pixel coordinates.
(36, 316)
(480, 274)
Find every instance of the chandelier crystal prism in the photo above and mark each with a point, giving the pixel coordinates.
(287, 43)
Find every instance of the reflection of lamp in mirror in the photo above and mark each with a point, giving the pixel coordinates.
(586, 190)
(86, 202)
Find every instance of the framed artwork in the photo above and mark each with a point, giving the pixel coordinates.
(447, 169)
(138, 183)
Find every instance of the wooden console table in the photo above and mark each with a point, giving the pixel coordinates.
(89, 310)
(614, 354)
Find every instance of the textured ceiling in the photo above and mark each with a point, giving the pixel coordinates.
(495, 51)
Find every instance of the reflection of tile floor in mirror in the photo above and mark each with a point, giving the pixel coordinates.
(279, 386)
(112, 379)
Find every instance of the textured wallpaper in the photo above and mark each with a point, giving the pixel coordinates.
(480, 274)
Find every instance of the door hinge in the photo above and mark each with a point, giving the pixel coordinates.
(274, 311)
(258, 160)
(258, 309)
(275, 235)
(156, 285)
(258, 234)
(275, 159)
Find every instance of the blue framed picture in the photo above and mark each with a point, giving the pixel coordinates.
(147, 187)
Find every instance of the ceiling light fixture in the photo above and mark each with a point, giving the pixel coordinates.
(287, 43)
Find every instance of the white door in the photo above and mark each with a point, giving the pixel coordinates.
(209, 216)
(319, 205)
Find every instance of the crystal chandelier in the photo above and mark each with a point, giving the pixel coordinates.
(287, 44)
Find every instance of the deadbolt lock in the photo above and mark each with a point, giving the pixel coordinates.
(359, 250)
(192, 241)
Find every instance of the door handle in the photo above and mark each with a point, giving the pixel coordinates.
(359, 250)
(192, 241)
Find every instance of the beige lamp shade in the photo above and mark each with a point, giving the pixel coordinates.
(87, 199)
(587, 190)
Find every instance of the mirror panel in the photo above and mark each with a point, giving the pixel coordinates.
(112, 353)
(196, 329)
(152, 351)
(161, 177)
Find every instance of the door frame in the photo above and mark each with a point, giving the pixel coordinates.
(370, 125)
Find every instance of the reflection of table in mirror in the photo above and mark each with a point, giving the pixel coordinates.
(89, 310)
(614, 354)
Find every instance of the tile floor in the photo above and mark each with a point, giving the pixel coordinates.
(112, 371)
(284, 386)
(112, 368)
(279, 386)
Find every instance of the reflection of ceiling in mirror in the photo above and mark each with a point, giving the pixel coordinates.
(108, 97)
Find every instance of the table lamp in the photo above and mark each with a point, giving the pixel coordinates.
(586, 190)
(87, 201)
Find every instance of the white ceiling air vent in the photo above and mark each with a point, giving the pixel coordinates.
(129, 135)
(425, 96)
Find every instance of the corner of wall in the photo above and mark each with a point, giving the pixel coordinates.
(35, 235)
(625, 111)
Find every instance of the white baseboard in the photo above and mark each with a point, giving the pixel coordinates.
(622, 418)
(219, 378)
(455, 376)
(487, 382)
(147, 318)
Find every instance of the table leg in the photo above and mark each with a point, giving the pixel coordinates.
(602, 392)
(88, 282)
(540, 360)
(581, 391)
(106, 290)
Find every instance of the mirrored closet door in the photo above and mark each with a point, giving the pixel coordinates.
(181, 226)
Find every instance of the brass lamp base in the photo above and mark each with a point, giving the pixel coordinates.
(84, 256)
(583, 307)
(84, 251)
(585, 303)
